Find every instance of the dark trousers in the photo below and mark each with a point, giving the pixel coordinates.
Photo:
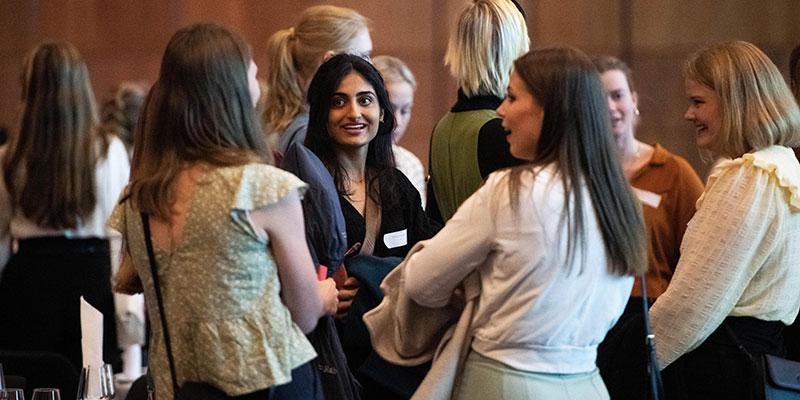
(724, 366)
(40, 291)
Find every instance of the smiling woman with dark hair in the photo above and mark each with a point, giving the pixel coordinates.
(350, 129)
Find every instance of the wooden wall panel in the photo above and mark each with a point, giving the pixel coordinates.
(124, 39)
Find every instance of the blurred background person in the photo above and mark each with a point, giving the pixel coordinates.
(400, 84)
(350, 130)
(121, 110)
(735, 286)
(555, 242)
(118, 117)
(61, 178)
(668, 189)
(468, 143)
(294, 55)
(239, 288)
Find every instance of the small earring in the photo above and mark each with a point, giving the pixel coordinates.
(636, 111)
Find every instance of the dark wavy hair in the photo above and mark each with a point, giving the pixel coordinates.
(199, 110)
(380, 159)
(576, 138)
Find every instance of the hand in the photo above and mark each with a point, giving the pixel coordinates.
(346, 295)
(329, 296)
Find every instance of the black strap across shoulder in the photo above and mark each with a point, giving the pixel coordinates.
(653, 371)
(159, 299)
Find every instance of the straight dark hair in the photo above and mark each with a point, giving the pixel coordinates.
(576, 139)
(199, 110)
(50, 165)
(380, 159)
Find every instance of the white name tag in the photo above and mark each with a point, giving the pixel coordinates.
(649, 198)
(395, 239)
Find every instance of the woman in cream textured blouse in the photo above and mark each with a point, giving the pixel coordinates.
(237, 279)
(737, 278)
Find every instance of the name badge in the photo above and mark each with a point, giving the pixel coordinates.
(647, 197)
(395, 239)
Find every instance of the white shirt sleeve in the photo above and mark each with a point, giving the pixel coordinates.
(460, 247)
(724, 245)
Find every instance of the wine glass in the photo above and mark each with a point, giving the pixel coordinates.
(107, 382)
(46, 394)
(96, 384)
(12, 394)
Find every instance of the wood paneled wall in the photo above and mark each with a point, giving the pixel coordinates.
(124, 40)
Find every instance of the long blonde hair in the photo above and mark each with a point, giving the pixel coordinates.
(758, 109)
(49, 169)
(295, 54)
(489, 36)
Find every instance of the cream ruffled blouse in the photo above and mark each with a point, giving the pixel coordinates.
(740, 254)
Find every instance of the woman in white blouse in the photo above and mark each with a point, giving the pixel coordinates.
(735, 286)
(555, 242)
(60, 180)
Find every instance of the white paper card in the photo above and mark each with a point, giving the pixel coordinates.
(92, 342)
(396, 239)
(647, 197)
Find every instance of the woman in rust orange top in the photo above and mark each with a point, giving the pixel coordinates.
(668, 189)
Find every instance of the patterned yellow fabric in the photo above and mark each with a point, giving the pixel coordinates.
(220, 287)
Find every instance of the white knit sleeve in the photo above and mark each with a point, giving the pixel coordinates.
(722, 249)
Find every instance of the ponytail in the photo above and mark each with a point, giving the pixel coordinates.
(284, 97)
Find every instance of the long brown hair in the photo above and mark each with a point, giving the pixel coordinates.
(199, 110)
(50, 165)
(576, 139)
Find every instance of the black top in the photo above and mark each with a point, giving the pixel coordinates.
(408, 216)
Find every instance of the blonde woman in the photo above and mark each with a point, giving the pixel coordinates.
(468, 143)
(400, 84)
(294, 55)
(735, 286)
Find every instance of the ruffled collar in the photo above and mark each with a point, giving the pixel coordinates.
(779, 161)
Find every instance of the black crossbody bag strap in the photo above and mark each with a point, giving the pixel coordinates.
(159, 300)
(653, 371)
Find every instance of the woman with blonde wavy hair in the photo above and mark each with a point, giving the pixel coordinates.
(735, 286)
(60, 179)
(294, 55)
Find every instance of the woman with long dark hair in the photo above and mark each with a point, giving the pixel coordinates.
(350, 130)
(555, 242)
(294, 55)
(60, 179)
